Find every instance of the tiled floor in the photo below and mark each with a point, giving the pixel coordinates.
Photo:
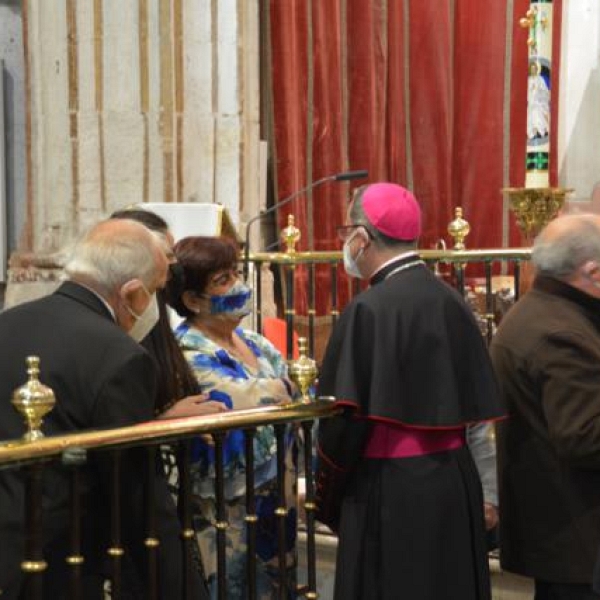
(505, 586)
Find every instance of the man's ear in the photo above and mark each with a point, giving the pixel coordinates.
(590, 268)
(364, 234)
(129, 289)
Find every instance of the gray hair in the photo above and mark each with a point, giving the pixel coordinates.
(112, 253)
(560, 255)
(358, 217)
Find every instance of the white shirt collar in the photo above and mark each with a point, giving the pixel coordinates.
(101, 298)
(395, 259)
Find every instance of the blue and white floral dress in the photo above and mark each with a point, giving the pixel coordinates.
(238, 385)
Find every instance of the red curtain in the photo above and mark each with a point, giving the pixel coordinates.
(431, 95)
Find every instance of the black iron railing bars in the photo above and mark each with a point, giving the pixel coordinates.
(71, 450)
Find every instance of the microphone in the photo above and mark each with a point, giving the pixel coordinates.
(348, 175)
(345, 176)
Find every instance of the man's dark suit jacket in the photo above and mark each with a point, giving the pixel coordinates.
(101, 378)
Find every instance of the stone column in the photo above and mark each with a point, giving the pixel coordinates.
(129, 102)
(137, 101)
(579, 118)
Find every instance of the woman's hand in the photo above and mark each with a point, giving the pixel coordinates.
(287, 389)
(193, 406)
(491, 515)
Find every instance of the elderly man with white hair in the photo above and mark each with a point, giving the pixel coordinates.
(86, 335)
(546, 355)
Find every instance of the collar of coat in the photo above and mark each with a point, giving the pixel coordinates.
(589, 304)
(404, 259)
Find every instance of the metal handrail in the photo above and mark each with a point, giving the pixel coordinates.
(19, 451)
(447, 256)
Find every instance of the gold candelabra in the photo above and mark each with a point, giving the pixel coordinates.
(33, 400)
(534, 208)
(303, 370)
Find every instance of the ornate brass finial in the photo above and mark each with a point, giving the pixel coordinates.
(33, 400)
(303, 370)
(290, 235)
(459, 229)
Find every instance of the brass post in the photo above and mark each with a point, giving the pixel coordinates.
(303, 370)
(33, 400)
(459, 229)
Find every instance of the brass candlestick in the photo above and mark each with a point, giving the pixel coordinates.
(303, 370)
(33, 400)
(290, 236)
(534, 208)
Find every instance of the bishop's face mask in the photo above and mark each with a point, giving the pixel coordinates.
(146, 320)
(235, 303)
(350, 262)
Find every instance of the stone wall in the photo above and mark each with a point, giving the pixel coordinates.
(119, 103)
(137, 101)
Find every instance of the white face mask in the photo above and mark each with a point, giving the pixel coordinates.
(146, 321)
(350, 263)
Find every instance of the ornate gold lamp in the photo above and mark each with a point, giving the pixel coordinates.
(534, 208)
(33, 400)
(303, 370)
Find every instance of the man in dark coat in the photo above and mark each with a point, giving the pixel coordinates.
(546, 354)
(409, 367)
(86, 335)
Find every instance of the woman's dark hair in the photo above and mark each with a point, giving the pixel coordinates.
(199, 258)
(175, 379)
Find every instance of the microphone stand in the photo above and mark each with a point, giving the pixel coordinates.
(345, 176)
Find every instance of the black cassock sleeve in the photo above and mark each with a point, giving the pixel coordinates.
(340, 447)
(341, 441)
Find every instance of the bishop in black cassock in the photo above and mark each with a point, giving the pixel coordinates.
(407, 364)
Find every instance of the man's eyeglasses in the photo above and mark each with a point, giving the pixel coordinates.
(345, 231)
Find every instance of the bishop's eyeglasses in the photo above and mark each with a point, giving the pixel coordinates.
(345, 231)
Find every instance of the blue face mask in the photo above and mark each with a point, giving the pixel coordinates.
(235, 303)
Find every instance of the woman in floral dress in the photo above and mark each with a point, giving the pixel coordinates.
(242, 369)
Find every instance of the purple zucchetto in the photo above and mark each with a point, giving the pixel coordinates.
(393, 210)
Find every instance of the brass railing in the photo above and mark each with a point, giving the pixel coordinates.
(71, 450)
(17, 452)
(461, 263)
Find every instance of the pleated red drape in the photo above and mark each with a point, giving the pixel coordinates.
(429, 94)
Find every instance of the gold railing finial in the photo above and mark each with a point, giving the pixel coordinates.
(459, 229)
(33, 400)
(290, 236)
(303, 370)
